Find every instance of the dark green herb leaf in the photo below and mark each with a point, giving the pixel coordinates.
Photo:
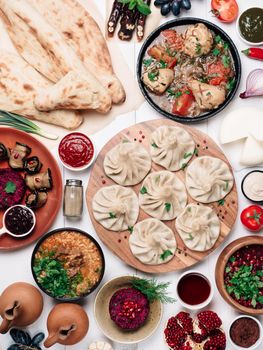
(218, 39)
(187, 155)
(154, 145)
(208, 93)
(226, 186)
(163, 64)
(216, 52)
(143, 8)
(10, 187)
(196, 152)
(178, 94)
(166, 254)
(147, 62)
(187, 92)
(230, 84)
(221, 202)
(112, 216)
(130, 229)
(167, 206)
(183, 166)
(153, 75)
(143, 190)
(226, 61)
(228, 269)
(198, 48)
(190, 237)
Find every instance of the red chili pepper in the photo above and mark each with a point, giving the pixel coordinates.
(254, 52)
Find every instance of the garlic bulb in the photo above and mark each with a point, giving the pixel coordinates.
(100, 345)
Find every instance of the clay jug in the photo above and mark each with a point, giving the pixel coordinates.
(67, 324)
(20, 305)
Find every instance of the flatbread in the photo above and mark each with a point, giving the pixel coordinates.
(44, 48)
(19, 84)
(83, 34)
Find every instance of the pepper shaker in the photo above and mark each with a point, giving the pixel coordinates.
(73, 198)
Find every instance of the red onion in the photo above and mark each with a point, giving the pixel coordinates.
(254, 85)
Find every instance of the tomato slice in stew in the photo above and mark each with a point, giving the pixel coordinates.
(183, 103)
(218, 73)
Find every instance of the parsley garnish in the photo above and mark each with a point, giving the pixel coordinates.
(226, 61)
(226, 186)
(208, 93)
(187, 155)
(166, 254)
(183, 166)
(112, 216)
(198, 48)
(230, 84)
(130, 229)
(143, 190)
(218, 39)
(167, 206)
(178, 94)
(190, 237)
(147, 62)
(196, 152)
(10, 187)
(153, 75)
(163, 64)
(154, 145)
(221, 202)
(187, 92)
(216, 52)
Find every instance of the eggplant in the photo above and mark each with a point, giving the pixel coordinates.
(114, 17)
(17, 155)
(165, 9)
(4, 152)
(36, 199)
(32, 165)
(41, 181)
(186, 4)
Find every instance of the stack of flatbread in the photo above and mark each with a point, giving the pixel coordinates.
(65, 63)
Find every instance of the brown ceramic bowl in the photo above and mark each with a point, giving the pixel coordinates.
(220, 268)
(109, 328)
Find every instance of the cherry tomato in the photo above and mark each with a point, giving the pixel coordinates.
(252, 217)
(218, 73)
(183, 102)
(225, 10)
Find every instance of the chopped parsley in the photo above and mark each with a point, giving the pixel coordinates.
(143, 190)
(167, 206)
(187, 155)
(190, 237)
(130, 229)
(216, 52)
(10, 187)
(163, 64)
(166, 254)
(147, 62)
(230, 84)
(112, 216)
(198, 48)
(221, 202)
(187, 92)
(178, 94)
(218, 39)
(171, 53)
(196, 152)
(226, 186)
(154, 145)
(208, 93)
(183, 166)
(226, 61)
(153, 75)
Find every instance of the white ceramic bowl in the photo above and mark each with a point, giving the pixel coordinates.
(256, 345)
(198, 306)
(83, 167)
(240, 35)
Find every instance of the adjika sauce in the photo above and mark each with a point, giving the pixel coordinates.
(251, 24)
(19, 220)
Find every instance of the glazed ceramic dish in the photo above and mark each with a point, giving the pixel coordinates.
(184, 23)
(222, 261)
(109, 328)
(75, 260)
(47, 214)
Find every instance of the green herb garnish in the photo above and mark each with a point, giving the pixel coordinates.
(130, 229)
(153, 75)
(112, 216)
(178, 94)
(226, 61)
(218, 39)
(183, 166)
(10, 187)
(147, 62)
(187, 92)
(245, 284)
(187, 155)
(152, 289)
(216, 52)
(208, 93)
(166, 254)
(143, 190)
(190, 237)
(140, 5)
(230, 84)
(196, 152)
(226, 186)
(18, 122)
(167, 206)
(198, 48)
(163, 64)
(221, 202)
(154, 145)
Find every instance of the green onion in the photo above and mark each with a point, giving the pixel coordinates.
(18, 122)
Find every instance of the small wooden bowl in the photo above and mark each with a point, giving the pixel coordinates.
(220, 268)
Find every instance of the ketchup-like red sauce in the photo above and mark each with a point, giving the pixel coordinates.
(76, 150)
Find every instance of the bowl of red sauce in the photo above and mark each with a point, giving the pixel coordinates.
(76, 151)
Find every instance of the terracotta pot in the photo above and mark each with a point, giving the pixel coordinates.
(67, 324)
(21, 304)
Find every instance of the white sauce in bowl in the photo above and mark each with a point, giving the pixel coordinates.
(253, 186)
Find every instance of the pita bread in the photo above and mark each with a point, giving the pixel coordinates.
(83, 34)
(42, 47)
(19, 84)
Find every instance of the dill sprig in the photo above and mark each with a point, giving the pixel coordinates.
(153, 290)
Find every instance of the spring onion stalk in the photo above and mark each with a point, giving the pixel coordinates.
(18, 122)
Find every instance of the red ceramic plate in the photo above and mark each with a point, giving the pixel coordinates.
(47, 214)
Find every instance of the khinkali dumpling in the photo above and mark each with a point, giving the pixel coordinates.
(152, 242)
(208, 179)
(127, 163)
(162, 195)
(115, 207)
(198, 226)
(171, 147)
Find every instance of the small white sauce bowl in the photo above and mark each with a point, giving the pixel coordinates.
(84, 167)
(197, 306)
(250, 43)
(256, 345)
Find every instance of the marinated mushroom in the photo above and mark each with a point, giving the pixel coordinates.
(32, 165)
(36, 199)
(158, 80)
(41, 181)
(207, 96)
(18, 154)
(198, 40)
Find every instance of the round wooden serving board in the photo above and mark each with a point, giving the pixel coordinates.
(118, 242)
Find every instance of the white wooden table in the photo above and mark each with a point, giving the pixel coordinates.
(15, 266)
